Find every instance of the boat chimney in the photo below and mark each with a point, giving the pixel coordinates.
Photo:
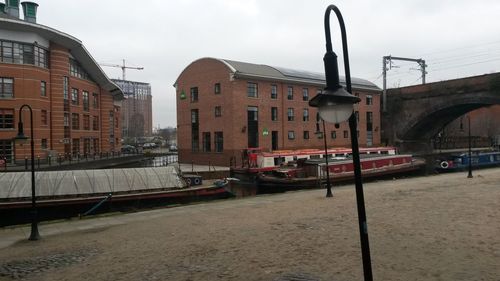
(12, 8)
(29, 10)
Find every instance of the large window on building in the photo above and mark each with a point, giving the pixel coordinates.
(194, 94)
(195, 127)
(369, 99)
(207, 145)
(291, 135)
(290, 93)
(76, 70)
(274, 92)
(252, 90)
(76, 147)
(95, 100)
(290, 114)
(274, 114)
(6, 88)
(305, 94)
(86, 122)
(218, 111)
(74, 96)
(217, 88)
(75, 121)
(23, 53)
(6, 149)
(219, 141)
(306, 135)
(43, 88)
(6, 118)
(305, 116)
(85, 100)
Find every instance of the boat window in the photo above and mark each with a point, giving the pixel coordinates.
(385, 152)
(316, 156)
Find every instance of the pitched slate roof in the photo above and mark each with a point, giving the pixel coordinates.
(266, 72)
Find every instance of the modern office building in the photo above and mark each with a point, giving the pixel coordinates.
(76, 107)
(224, 106)
(137, 113)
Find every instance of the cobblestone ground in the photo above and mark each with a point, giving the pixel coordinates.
(20, 269)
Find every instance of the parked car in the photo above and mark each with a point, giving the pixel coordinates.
(172, 148)
(149, 145)
(126, 149)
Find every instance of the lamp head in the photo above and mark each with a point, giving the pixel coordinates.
(20, 137)
(334, 106)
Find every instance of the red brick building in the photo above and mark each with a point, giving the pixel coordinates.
(76, 107)
(224, 106)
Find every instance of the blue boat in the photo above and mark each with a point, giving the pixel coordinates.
(461, 162)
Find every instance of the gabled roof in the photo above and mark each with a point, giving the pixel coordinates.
(74, 45)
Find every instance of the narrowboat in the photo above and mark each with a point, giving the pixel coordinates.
(460, 162)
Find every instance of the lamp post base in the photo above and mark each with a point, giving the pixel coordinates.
(329, 192)
(469, 175)
(34, 232)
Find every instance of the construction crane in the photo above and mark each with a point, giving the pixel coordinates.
(123, 67)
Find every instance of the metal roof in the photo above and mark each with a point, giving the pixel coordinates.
(74, 45)
(262, 71)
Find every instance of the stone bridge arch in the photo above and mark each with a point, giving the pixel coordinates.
(416, 114)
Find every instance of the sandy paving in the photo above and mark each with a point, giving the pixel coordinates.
(443, 227)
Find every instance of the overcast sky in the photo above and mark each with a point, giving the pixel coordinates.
(457, 38)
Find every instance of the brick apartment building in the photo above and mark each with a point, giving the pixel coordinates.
(76, 107)
(224, 106)
(136, 110)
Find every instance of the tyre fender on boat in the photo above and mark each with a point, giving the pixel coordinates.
(444, 164)
(188, 181)
(197, 181)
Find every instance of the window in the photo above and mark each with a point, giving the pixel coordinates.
(66, 88)
(206, 142)
(74, 96)
(43, 88)
(6, 118)
(194, 116)
(217, 88)
(95, 100)
(6, 87)
(290, 93)
(95, 123)
(369, 100)
(291, 135)
(23, 53)
(333, 134)
(219, 141)
(274, 92)
(194, 94)
(252, 90)
(85, 98)
(369, 117)
(76, 70)
(274, 114)
(43, 117)
(218, 111)
(66, 119)
(306, 135)
(86, 122)
(75, 121)
(290, 114)
(305, 116)
(6, 149)
(305, 94)
(346, 134)
(44, 144)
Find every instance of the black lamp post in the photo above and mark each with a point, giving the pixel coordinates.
(335, 105)
(328, 183)
(21, 137)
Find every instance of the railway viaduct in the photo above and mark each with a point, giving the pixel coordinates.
(416, 114)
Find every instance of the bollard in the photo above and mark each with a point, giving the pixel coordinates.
(49, 159)
(38, 161)
(26, 163)
(192, 166)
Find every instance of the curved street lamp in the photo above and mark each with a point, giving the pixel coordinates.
(336, 105)
(21, 137)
